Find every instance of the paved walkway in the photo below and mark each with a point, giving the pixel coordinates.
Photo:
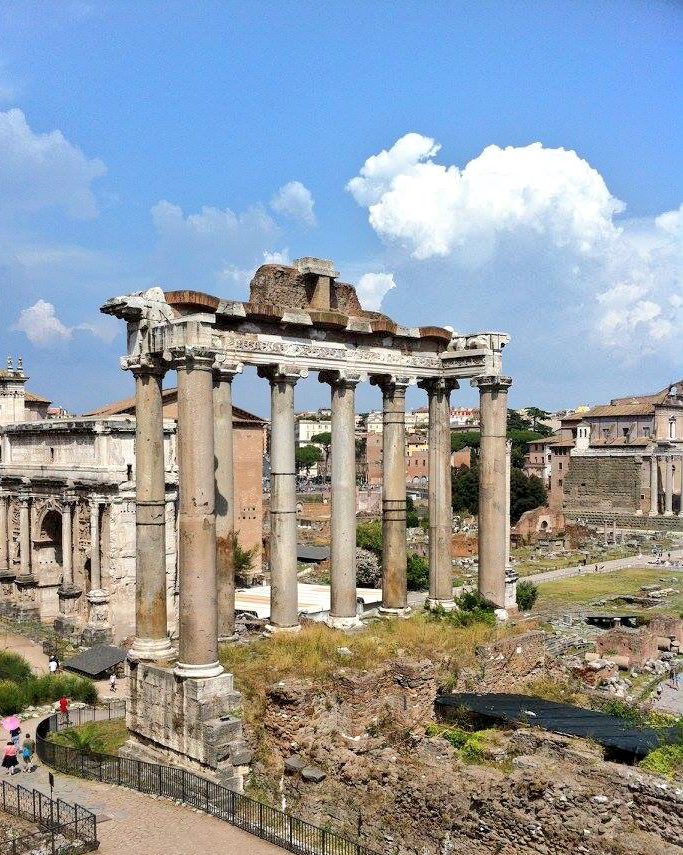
(128, 822)
(671, 700)
(608, 567)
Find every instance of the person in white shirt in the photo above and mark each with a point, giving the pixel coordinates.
(52, 665)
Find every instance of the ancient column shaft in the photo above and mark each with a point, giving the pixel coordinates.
(654, 487)
(24, 537)
(67, 550)
(151, 633)
(669, 486)
(224, 496)
(394, 553)
(4, 545)
(440, 512)
(343, 600)
(198, 609)
(493, 503)
(95, 558)
(284, 604)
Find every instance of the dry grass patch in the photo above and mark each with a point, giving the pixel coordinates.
(314, 653)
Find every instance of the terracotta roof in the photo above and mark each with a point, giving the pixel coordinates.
(656, 398)
(638, 441)
(32, 398)
(636, 408)
(170, 397)
(573, 417)
(563, 443)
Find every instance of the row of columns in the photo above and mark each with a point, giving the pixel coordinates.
(70, 536)
(668, 460)
(206, 502)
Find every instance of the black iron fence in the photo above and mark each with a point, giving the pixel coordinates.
(65, 829)
(172, 782)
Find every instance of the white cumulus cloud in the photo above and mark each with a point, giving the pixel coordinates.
(373, 287)
(540, 216)
(40, 171)
(295, 200)
(43, 328)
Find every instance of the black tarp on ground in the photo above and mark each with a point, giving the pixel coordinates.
(96, 661)
(610, 731)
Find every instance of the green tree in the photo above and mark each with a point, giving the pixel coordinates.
(464, 439)
(527, 593)
(465, 483)
(306, 456)
(412, 519)
(537, 417)
(526, 493)
(242, 560)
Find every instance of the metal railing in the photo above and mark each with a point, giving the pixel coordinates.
(257, 818)
(65, 829)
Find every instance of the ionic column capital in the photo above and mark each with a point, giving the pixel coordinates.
(143, 364)
(226, 369)
(434, 385)
(282, 373)
(195, 357)
(491, 383)
(392, 384)
(342, 379)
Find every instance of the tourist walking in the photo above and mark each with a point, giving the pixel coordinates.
(9, 758)
(112, 683)
(15, 734)
(27, 749)
(673, 677)
(53, 665)
(64, 709)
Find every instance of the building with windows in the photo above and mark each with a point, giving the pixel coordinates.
(621, 458)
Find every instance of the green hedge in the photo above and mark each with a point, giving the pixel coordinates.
(20, 688)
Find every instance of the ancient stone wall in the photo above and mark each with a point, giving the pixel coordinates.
(378, 777)
(638, 645)
(603, 483)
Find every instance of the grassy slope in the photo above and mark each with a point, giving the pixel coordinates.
(581, 590)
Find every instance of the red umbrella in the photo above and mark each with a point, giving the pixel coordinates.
(11, 723)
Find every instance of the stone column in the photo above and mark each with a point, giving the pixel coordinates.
(67, 551)
(95, 558)
(151, 626)
(510, 574)
(284, 603)
(394, 554)
(669, 486)
(343, 599)
(680, 466)
(24, 537)
(654, 487)
(4, 545)
(198, 607)
(7, 574)
(493, 395)
(440, 510)
(223, 375)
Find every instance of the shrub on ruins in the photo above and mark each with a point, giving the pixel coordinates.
(242, 560)
(14, 667)
(527, 593)
(471, 609)
(369, 536)
(667, 761)
(87, 738)
(368, 569)
(417, 573)
(11, 698)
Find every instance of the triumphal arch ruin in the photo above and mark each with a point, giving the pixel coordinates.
(298, 319)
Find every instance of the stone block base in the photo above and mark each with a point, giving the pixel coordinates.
(93, 635)
(187, 722)
(68, 628)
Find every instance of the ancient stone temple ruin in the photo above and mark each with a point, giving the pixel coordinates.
(298, 319)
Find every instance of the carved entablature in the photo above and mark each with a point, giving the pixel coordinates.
(317, 331)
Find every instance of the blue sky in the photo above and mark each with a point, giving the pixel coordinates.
(531, 178)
